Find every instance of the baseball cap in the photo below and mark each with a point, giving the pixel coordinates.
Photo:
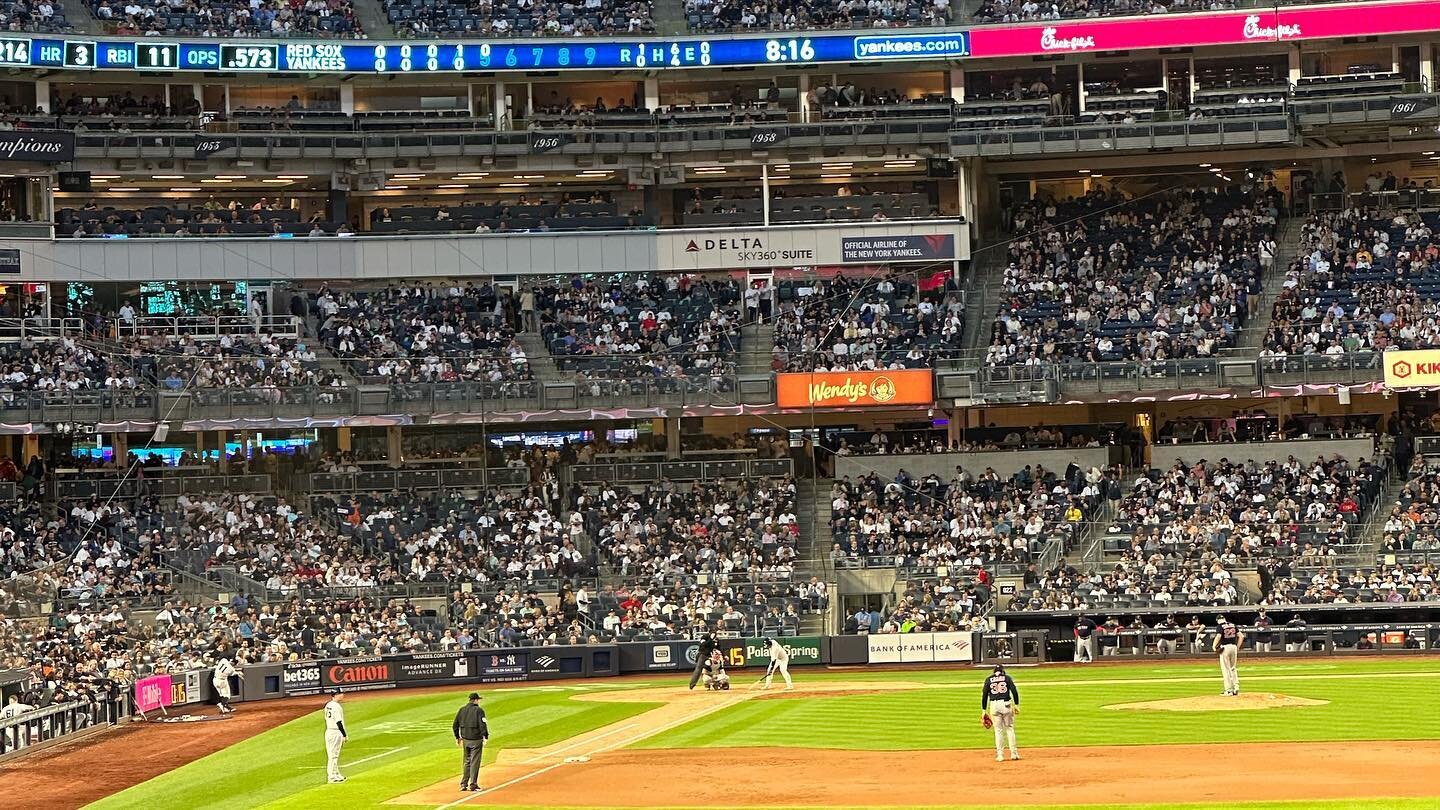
(474, 696)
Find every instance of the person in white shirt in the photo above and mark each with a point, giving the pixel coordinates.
(779, 661)
(335, 737)
(224, 668)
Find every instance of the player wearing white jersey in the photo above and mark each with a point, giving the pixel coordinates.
(220, 679)
(779, 661)
(335, 737)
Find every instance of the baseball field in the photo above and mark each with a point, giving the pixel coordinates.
(1305, 734)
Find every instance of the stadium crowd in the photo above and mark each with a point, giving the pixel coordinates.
(848, 324)
(789, 15)
(1101, 278)
(971, 520)
(424, 334)
(501, 18)
(1364, 280)
(229, 18)
(682, 330)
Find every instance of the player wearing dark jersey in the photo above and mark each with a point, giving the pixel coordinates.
(1000, 702)
(1228, 639)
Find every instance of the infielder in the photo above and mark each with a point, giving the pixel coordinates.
(335, 737)
(1227, 642)
(224, 668)
(999, 704)
(779, 660)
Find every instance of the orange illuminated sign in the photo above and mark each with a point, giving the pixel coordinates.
(850, 389)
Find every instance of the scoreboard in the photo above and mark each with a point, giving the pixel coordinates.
(1264, 26)
(151, 54)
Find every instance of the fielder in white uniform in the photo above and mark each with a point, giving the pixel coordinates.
(224, 668)
(335, 737)
(779, 661)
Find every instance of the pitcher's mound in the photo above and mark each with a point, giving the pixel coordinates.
(1222, 703)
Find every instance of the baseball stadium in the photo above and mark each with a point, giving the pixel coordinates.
(759, 404)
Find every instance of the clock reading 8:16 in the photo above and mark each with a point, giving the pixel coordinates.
(789, 50)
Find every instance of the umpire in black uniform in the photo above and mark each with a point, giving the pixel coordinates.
(707, 646)
(471, 732)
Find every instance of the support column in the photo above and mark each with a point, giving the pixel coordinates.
(1427, 66)
(220, 448)
(30, 448)
(347, 98)
(200, 445)
(394, 450)
(957, 85)
(672, 436)
(121, 441)
(1294, 55)
(343, 439)
(1079, 89)
(42, 96)
(804, 98)
(652, 94)
(502, 108)
(962, 189)
(765, 193)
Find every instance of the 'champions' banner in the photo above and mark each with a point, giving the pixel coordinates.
(855, 389)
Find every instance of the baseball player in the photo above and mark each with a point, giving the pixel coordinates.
(1263, 635)
(779, 661)
(1167, 634)
(335, 736)
(1228, 639)
(1084, 639)
(224, 668)
(716, 678)
(702, 656)
(999, 704)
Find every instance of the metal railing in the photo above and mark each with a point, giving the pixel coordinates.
(56, 722)
(40, 328)
(137, 487)
(410, 478)
(1403, 198)
(212, 327)
(621, 472)
(1206, 132)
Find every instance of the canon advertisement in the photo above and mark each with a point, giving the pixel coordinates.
(358, 674)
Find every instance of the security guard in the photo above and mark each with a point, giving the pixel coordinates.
(471, 732)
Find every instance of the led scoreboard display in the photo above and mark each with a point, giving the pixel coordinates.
(1257, 26)
(437, 57)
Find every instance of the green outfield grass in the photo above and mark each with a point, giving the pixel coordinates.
(408, 736)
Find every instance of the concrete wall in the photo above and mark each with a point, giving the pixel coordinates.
(1164, 456)
(382, 257)
(1004, 462)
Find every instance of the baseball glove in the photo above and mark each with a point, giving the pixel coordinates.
(986, 721)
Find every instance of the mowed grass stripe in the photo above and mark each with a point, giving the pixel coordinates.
(274, 769)
(943, 718)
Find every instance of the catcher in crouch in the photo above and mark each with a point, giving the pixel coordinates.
(716, 678)
(999, 704)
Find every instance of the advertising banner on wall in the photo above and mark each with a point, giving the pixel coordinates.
(804, 651)
(913, 648)
(855, 389)
(153, 693)
(498, 667)
(453, 667)
(1412, 369)
(905, 248)
(301, 677)
(358, 674)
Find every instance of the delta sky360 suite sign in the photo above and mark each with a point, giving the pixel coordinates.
(855, 389)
